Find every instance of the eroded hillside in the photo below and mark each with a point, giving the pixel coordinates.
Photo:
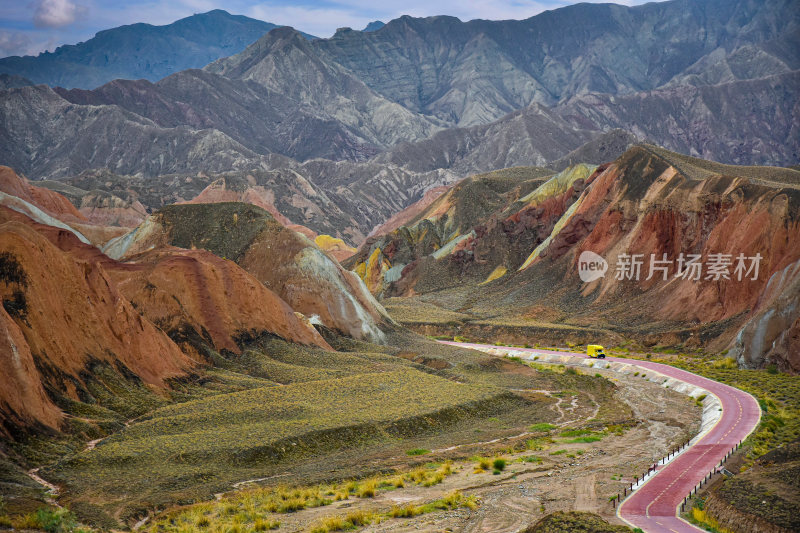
(523, 252)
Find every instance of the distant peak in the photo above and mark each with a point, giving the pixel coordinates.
(375, 25)
(213, 14)
(283, 32)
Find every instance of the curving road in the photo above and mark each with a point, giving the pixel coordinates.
(653, 506)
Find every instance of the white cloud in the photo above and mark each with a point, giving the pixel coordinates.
(55, 13)
(13, 43)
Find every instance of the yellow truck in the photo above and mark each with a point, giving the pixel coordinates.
(595, 350)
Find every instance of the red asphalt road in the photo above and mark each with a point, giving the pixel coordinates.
(653, 506)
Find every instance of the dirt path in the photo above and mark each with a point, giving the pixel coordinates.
(585, 494)
(52, 490)
(92, 444)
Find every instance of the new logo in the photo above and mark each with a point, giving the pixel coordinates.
(591, 266)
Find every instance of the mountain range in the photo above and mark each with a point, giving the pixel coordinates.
(421, 102)
(141, 51)
(474, 72)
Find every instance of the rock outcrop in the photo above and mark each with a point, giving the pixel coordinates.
(772, 336)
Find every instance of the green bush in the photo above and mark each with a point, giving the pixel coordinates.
(418, 451)
(575, 432)
(56, 520)
(499, 464)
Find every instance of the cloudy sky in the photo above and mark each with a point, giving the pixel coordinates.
(32, 26)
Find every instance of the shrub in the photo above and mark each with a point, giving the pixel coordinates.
(407, 511)
(56, 521)
(291, 505)
(359, 518)
(484, 463)
(368, 489)
(264, 525)
(499, 464)
(418, 451)
(586, 439)
(435, 479)
(575, 432)
(543, 426)
(453, 500)
(726, 363)
(330, 523)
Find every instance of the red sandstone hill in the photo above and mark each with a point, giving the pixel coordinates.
(48, 201)
(69, 312)
(183, 290)
(523, 252)
(283, 260)
(66, 313)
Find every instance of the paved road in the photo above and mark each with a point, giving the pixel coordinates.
(653, 506)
